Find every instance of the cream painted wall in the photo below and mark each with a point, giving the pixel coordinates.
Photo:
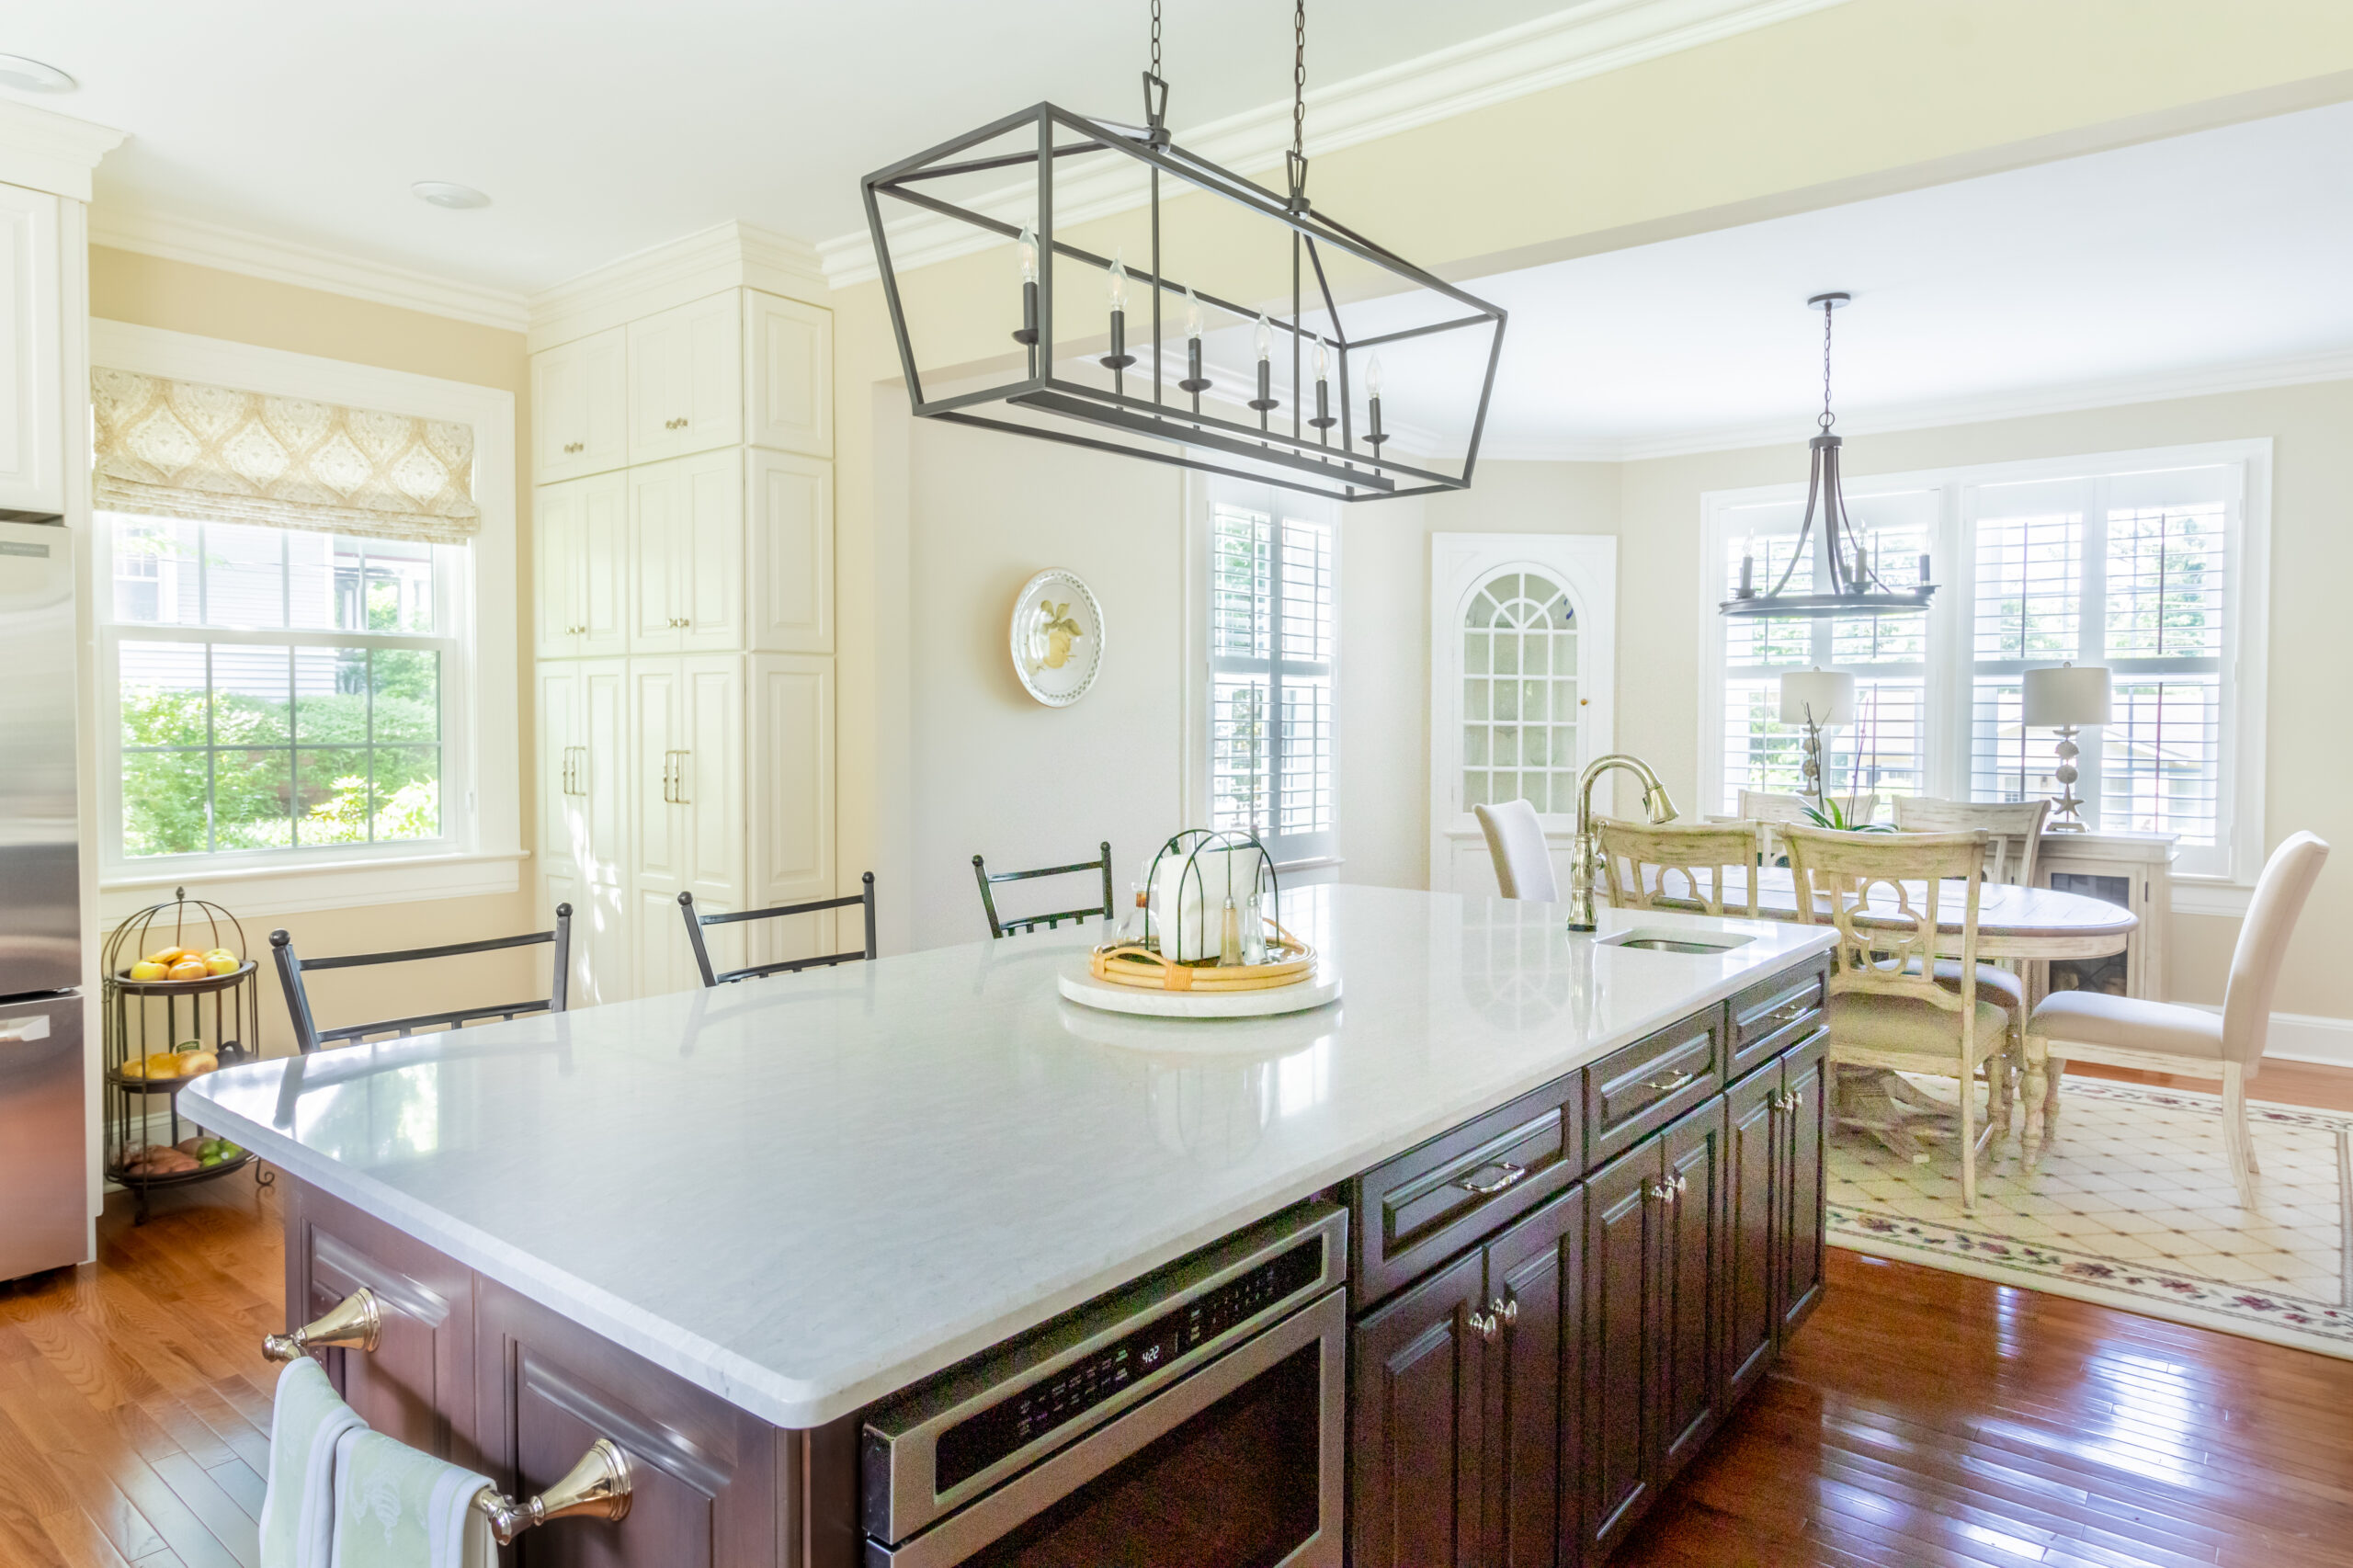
(993, 771)
(184, 297)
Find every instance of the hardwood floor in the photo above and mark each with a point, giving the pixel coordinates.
(1921, 1417)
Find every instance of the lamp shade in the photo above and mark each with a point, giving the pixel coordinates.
(2071, 694)
(1829, 694)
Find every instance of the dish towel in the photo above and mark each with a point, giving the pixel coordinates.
(306, 1420)
(395, 1508)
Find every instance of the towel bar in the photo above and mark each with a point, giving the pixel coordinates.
(353, 1324)
(598, 1486)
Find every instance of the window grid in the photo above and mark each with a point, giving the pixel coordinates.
(2029, 587)
(1519, 694)
(1272, 632)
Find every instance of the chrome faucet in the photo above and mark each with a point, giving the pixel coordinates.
(1585, 856)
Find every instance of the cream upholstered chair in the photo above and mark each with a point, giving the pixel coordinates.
(1885, 1010)
(1679, 855)
(1523, 860)
(2159, 1037)
(2013, 839)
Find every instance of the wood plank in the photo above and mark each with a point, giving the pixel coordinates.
(233, 1526)
(243, 1483)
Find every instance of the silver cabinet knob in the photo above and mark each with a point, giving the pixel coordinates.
(1504, 1307)
(1484, 1324)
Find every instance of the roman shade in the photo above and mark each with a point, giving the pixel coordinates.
(197, 452)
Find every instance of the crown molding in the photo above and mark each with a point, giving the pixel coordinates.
(1585, 39)
(203, 243)
(45, 151)
(727, 255)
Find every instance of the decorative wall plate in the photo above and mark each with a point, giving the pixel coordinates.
(1057, 638)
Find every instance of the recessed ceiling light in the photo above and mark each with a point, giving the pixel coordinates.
(33, 76)
(448, 193)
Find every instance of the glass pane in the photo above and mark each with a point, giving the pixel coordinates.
(1241, 752)
(331, 695)
(2030, 574)
(1475, 699)
(155, 581)
(244, 576)
(1536, 747)
(408, 694)
(164, 701)
(408, 792)
(2164, 584)
(322, 575)
(1475, 789)
(1564, 701)
(1564, 747)
(1305, 803)
(2160, 758)
(251, 700)
(1564, 653)
(1543, 590)
(163, 804)
(251, 793)
(1507, 701)
(1507, 745)
(331, 787)
(400, 585)
(1474, 652)
(1532, 703)
(1474, 745)
(1507, 653)
(1535, 653)
(1240, 576)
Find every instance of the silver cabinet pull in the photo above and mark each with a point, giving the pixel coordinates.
(1484, 1324)
(1506, 1308)
(598, 1487)
(353, 1324)
(1507, 1175)
(1669, 1084)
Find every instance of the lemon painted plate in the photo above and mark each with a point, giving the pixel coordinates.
(1057, 639)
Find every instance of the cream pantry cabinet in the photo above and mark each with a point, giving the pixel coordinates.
(580, 556)
(686, 379)
(580, 404)
(788, 347)
(32, 478)
(583, 780)
(686, 555)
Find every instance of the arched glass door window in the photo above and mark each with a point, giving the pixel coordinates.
(1519, 694)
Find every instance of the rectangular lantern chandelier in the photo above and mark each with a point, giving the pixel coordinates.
(1318, 430)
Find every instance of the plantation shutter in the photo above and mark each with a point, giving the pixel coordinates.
(186, 450)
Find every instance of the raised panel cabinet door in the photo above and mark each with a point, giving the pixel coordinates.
(563, 786)
(33, 341)
(704, 1476)
(1806, 1131)
(601, 850)
(1621, 1306)
(556, 570)
(656, 734)
(710, 554)
(602, 582)
(789, 353)
(792, 539)
(1752, 1242)
(559, 400)
(1418, 1440)
(417, 1384)
(1690, 1382)
(602, 424)
(791, 772)
(1535, 1297)
(664, 963)
(661, 529)
(686, 379)
(708, 778)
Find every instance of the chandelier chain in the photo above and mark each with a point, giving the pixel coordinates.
(1155, 38)
(1298, 79)
(1827, 311)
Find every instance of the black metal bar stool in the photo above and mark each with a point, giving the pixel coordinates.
(695, 922)
(1004, 928)
(309, 1037)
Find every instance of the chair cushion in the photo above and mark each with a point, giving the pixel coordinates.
(1910, 1024)
(2094, 1017)
(2007, 990)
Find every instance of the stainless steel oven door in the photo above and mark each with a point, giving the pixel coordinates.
(1241, 1465)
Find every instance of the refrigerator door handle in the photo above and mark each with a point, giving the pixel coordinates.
(24, 1031)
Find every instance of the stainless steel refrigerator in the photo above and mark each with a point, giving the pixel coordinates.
(44, 1192)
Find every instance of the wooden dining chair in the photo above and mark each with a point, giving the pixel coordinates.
(1771, 810)
(2163, 1037)
(1516, 843)
(309, 1037)
(1660, 867)
(1000, 926)
(1885, 1010)
(697, 922)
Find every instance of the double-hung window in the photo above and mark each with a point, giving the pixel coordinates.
(1271, 637)
(2146, 563)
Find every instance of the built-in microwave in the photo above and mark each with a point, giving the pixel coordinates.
(1194, 1418)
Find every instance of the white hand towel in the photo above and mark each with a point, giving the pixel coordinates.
(395, 1508)
(306, 1420)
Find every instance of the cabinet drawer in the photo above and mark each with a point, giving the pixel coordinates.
(1638, 1089)
(1775, 1013)
(1427, 1204)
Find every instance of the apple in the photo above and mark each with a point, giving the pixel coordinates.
(148, 969)
(189, 968)
(220, 963)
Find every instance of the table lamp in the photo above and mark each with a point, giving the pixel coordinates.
(2064, 699)
(1816, 699)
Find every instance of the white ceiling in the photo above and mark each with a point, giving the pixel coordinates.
(2103, 278)
(601, 128)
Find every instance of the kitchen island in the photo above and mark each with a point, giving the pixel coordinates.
(724, 1228)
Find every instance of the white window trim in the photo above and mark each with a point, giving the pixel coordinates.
(482, 852)
(1201, 493)
(2245, 667)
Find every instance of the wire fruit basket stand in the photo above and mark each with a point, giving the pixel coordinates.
(173, 1013)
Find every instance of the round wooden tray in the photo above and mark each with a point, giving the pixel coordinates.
(1142, 969)
(120, 1177)
(182, 987)
(1315, 988)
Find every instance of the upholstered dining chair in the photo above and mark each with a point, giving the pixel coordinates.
(1523, 860)
(2013, 832)
(2162, 1037)
(1661, 867)
(1885, 1009)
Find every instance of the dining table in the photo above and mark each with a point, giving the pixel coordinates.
(2015, 924)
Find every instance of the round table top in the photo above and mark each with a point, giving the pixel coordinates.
(2012, 922)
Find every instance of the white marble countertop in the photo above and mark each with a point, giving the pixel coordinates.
(805, 1192)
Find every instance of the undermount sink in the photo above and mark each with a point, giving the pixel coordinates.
(1675, 941)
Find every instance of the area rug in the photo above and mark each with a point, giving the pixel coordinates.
(2134, 1208)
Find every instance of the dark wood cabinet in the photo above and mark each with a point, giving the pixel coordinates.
(1418, 1430)
(1690, 1384)
(1536, 1298)
(1806, 1082)
(1772, 1271)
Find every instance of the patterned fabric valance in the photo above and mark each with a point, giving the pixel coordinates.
(185, 449)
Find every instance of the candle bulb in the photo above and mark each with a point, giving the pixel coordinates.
(1372, 392)
(1265, 401)
(1194, 382)
(1027, 246)
(1748, 567)
(1323, 420)
(1119, 360)
(1924, 569)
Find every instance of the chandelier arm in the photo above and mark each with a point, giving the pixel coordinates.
(1177, 460)
(1805, 529)
(1052, 392)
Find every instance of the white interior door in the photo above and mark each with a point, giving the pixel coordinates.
(1523, 669)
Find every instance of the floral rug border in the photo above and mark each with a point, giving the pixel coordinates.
(2275, 1315)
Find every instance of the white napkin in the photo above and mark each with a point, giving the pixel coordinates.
(1192, 918)
(395, 1508)
(306, 1421)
